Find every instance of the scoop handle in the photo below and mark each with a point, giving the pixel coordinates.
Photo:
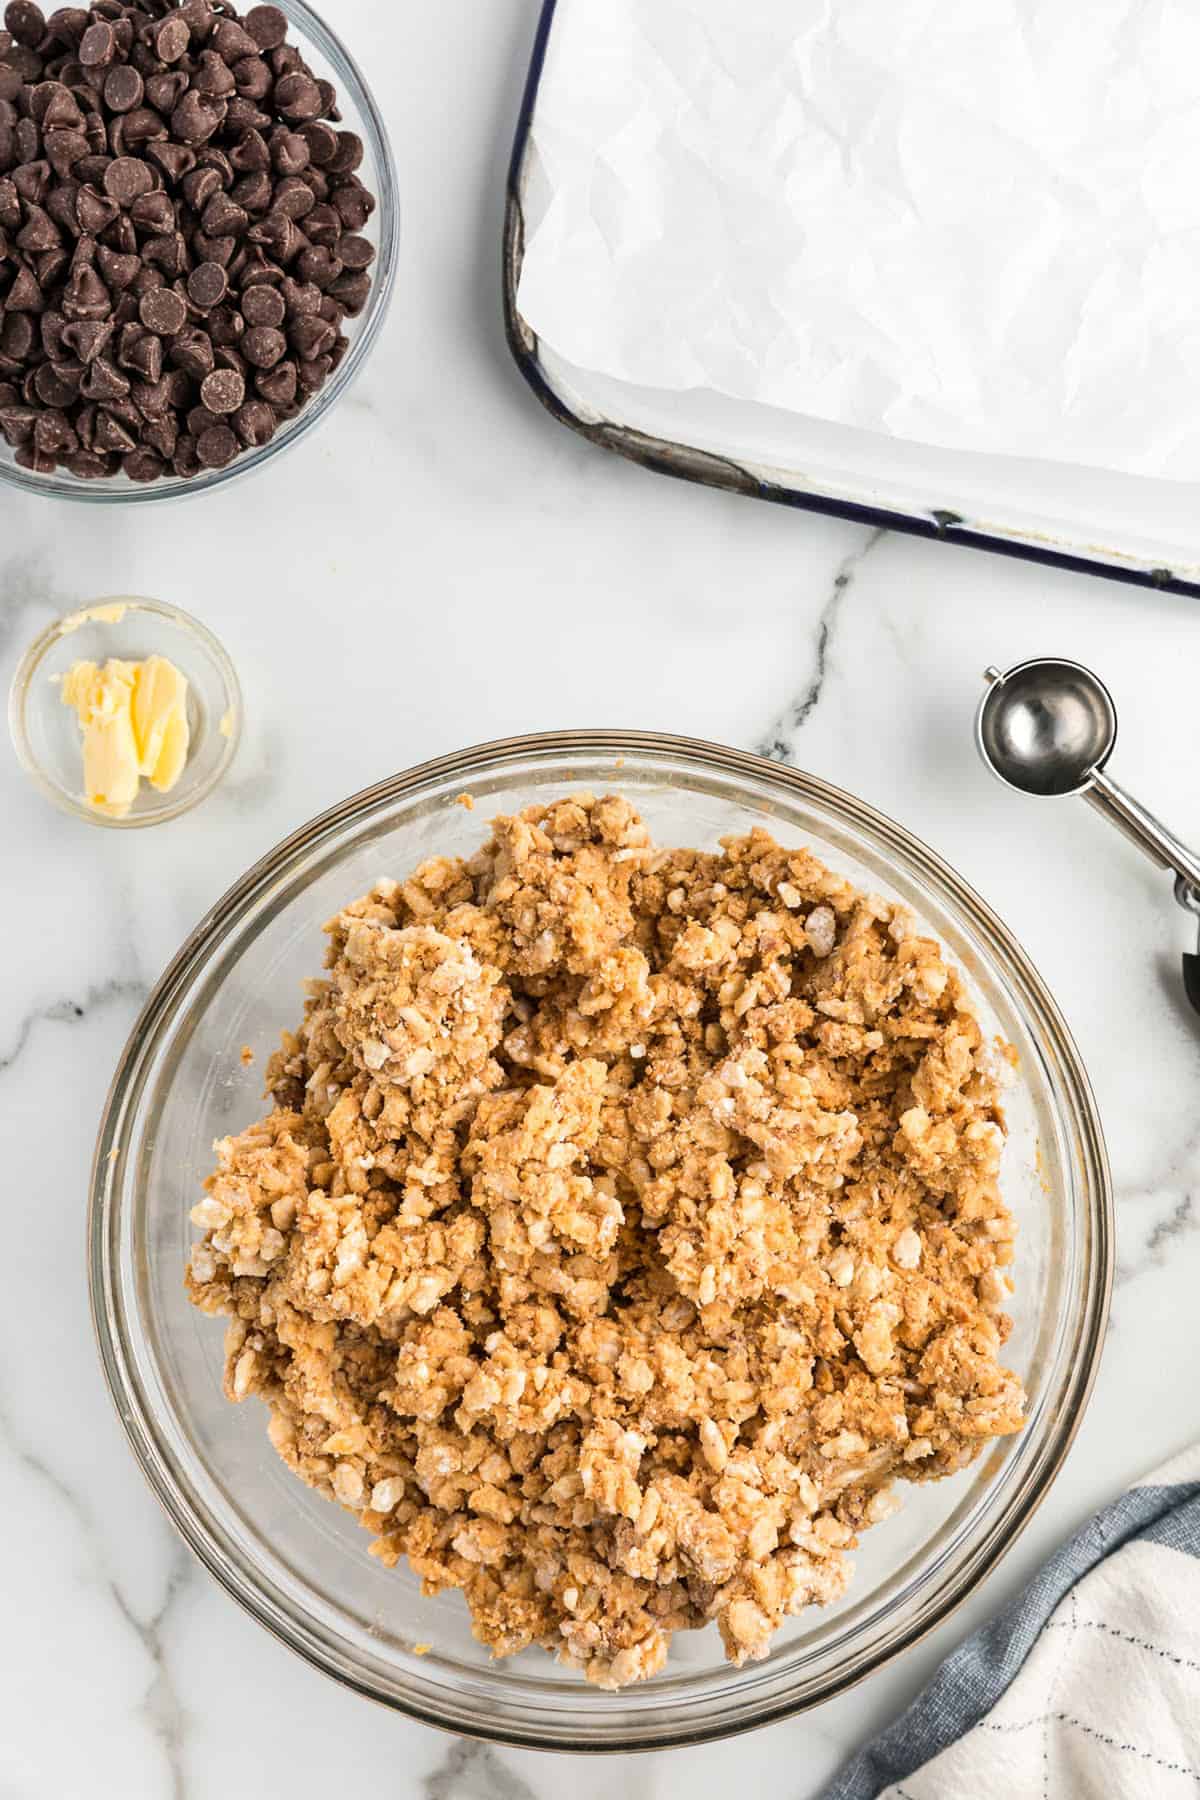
(1142, 828)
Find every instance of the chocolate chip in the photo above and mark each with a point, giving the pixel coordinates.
(254, 423)
(186, 461)
(351, 292)
(123, 89)
(58, 385)
(313, 375)
(143, 465)
(278, 385)
(300, 297)
(117, 270)
(355, 253)
(174, 160)
(17, 422)
(98, 45)
(244, 115)
(63, 150)
(293, 197)
(267, 26)
(164, 311)
(28, 457)
(253, 78)
(127, 179)
(103, 382)
(200, 186)
(348, 155)
(263, 306)
(200, 420)
(250, 152)
(207, 285)
(87, 337)
(91, 169)
(290, 154)
(142, 126)
(49, 266)
(192, 352)
(165, 91)
(109, 433)
(17, 336)
(59, 108)
(172, 39)
(322, 226)
(322, 141)
(152, 398)
(318, 265)
(24, 295)
(94, 211)
(86, 296)
(278, 236)
(162, 435)
(217, 447)
(26, 22)
(154, 212)
(263, 346)
(231, 41)
(200, 19)
(39, 231)
(87, 466)
(311, 335)
(31, 181)
(146, 357)
(178, 388)
(254, 192)
(195, 119)
(24, 62)
(224, 218)
(213, 249)
(297, 97)
(223, 391)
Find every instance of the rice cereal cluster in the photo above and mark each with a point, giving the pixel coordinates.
(626, 1222)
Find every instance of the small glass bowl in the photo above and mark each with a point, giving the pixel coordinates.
(46, 735)
(328, 58)
(299, 1563)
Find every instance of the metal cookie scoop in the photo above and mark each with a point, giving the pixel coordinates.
(1048, 727)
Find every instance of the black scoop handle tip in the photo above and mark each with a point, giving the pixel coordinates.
(1191, 980)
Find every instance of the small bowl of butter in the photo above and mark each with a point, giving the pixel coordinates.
(127, 712)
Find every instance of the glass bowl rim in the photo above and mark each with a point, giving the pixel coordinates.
(21, 689)
(356, 90)
(1038, 1008)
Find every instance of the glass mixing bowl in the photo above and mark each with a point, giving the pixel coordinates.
(328, 59)
(298, 1562)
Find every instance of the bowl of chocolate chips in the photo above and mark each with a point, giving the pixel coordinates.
(198, 232)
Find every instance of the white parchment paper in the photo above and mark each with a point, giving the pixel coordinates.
(974, 225)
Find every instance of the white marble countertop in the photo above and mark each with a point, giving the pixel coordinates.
(443, 565)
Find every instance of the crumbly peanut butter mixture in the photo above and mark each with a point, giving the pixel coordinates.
(626, 1223)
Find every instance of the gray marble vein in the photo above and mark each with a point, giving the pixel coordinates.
(162, 1706)
(780, 742)
(473, 1771)
(70, 1012)
(1172, 1186)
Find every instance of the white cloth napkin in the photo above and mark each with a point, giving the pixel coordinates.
(1087, 1686)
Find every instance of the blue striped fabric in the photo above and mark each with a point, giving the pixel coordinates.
(978, 1675)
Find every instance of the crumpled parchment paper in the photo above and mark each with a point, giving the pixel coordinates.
(974, 226)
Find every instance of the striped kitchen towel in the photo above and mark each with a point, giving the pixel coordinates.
(1088, 1684)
